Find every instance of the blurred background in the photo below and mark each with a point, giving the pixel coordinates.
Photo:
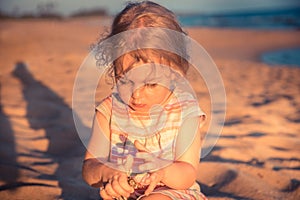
(220, 13)
(255, 14)
(255, 45)
(69, 7)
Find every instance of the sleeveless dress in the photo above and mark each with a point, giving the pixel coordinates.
(157, 130)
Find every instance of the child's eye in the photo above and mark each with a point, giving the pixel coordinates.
(123, 81)
(151, 85)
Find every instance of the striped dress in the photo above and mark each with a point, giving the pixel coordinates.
(156, 129)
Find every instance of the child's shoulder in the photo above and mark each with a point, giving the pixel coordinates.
(105, 105)
(107, 99)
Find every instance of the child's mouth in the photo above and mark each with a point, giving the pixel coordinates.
(138, 105)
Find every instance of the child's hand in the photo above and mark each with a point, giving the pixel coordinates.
(153, 165)
(153, 179)
(116, 187)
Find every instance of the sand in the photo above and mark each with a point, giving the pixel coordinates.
(256, 157)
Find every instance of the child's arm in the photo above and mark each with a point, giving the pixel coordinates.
(98, 148)
(188, 149)
(181, 174)
(97, 174)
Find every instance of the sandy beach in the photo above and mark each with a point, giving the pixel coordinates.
(256, 157)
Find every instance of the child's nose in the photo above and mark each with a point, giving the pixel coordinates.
(137, 93)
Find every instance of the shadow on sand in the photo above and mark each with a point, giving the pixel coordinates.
(8, 156)
(48, 111)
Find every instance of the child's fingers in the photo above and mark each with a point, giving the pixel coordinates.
(116, 187)
(104, 194)
(154, 180)
(119, 189)
(123, 180)
(150, 188)
(109, 191)
(145, 179)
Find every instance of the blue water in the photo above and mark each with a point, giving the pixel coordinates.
(288, 57)
(270, 19)
(285, 19)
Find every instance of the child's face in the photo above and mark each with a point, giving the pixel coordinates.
(145, 85)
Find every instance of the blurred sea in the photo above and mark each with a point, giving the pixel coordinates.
(289, 57)
(258, 19)
(284, 19)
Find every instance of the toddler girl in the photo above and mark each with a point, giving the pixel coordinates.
(146, 140)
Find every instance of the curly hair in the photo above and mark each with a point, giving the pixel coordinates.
(133, 18)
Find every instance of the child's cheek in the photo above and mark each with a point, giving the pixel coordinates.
(125, 94)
